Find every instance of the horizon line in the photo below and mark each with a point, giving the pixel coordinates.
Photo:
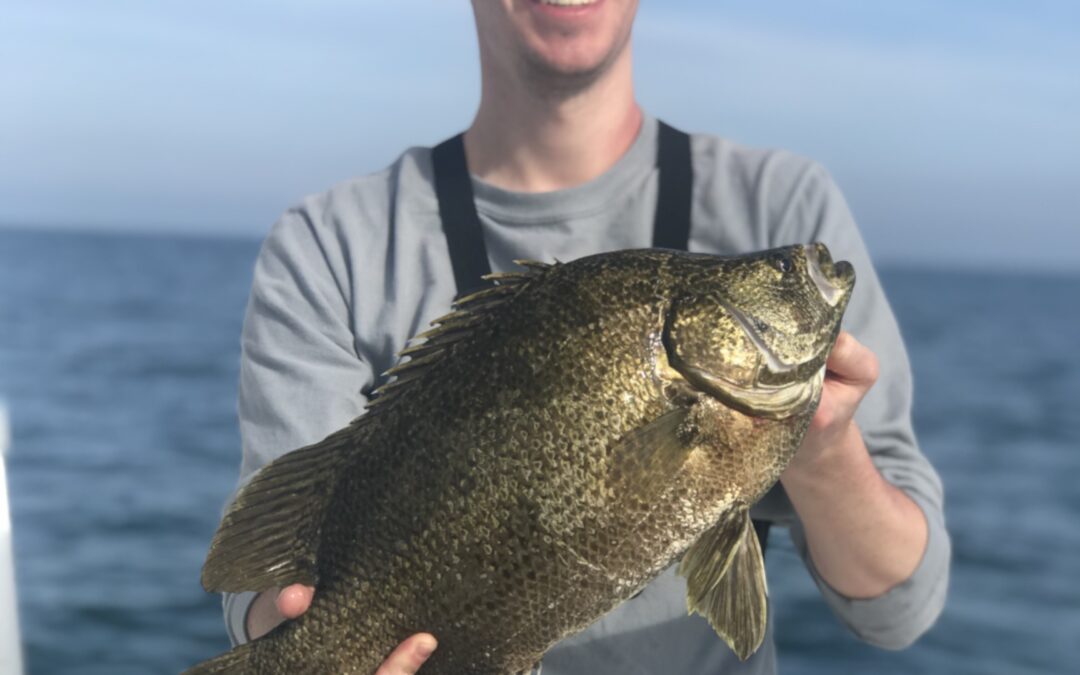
(881, 262)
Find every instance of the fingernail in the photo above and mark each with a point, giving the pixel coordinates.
(425, 647)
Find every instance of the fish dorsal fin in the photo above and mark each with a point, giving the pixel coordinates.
(534, 265)
(467, 314)
(725, 583)
(269, 535)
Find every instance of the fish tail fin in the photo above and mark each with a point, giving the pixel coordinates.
(269, 536)
(236, 661)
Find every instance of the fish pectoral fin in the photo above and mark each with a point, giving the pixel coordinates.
(269, 535)
(725, 580)
(647, 459)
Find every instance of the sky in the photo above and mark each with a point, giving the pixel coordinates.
(953, 128)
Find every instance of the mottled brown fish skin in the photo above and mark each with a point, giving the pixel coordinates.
(506, 497)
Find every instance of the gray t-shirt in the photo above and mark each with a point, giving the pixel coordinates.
(345, 278)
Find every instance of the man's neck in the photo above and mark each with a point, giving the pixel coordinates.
(528, 143)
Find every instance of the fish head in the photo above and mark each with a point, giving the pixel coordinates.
(755, 331)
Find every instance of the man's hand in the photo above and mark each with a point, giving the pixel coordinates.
(849, 373)
(272, 607)
(275, 606)
(865, 535)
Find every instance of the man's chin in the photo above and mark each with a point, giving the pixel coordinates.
(570, 67)
(563, 78)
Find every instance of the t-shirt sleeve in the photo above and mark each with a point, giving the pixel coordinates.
(301, 376)
(817, 211)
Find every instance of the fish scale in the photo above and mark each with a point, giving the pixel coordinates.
(560, 441)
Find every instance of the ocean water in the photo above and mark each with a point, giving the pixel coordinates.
(118, 363)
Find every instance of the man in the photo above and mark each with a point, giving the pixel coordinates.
(563, 164)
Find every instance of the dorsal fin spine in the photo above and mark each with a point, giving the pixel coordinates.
(468, 313)
(416, 361)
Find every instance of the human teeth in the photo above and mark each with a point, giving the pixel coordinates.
(567, 3)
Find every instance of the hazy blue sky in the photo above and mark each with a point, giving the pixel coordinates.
(953, 127)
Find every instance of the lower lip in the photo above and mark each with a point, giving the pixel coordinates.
(566, 12)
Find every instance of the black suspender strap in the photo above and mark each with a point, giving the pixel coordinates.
(457, 210)
(465, 237)
(671, 225)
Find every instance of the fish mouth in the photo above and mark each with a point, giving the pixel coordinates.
(773, 398)
(833, 280)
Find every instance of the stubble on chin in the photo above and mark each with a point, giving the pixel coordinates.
(551, 81)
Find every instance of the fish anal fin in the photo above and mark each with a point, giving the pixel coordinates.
(725, 575)
(269, 535)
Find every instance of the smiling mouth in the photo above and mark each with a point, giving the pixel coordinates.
(566, 3)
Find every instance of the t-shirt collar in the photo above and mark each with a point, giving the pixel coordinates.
(590, 197)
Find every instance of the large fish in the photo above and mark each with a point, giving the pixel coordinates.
(547, 450)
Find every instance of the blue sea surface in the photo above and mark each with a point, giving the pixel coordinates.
(118, 363)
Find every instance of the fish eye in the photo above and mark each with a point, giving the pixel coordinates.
(783, 263)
